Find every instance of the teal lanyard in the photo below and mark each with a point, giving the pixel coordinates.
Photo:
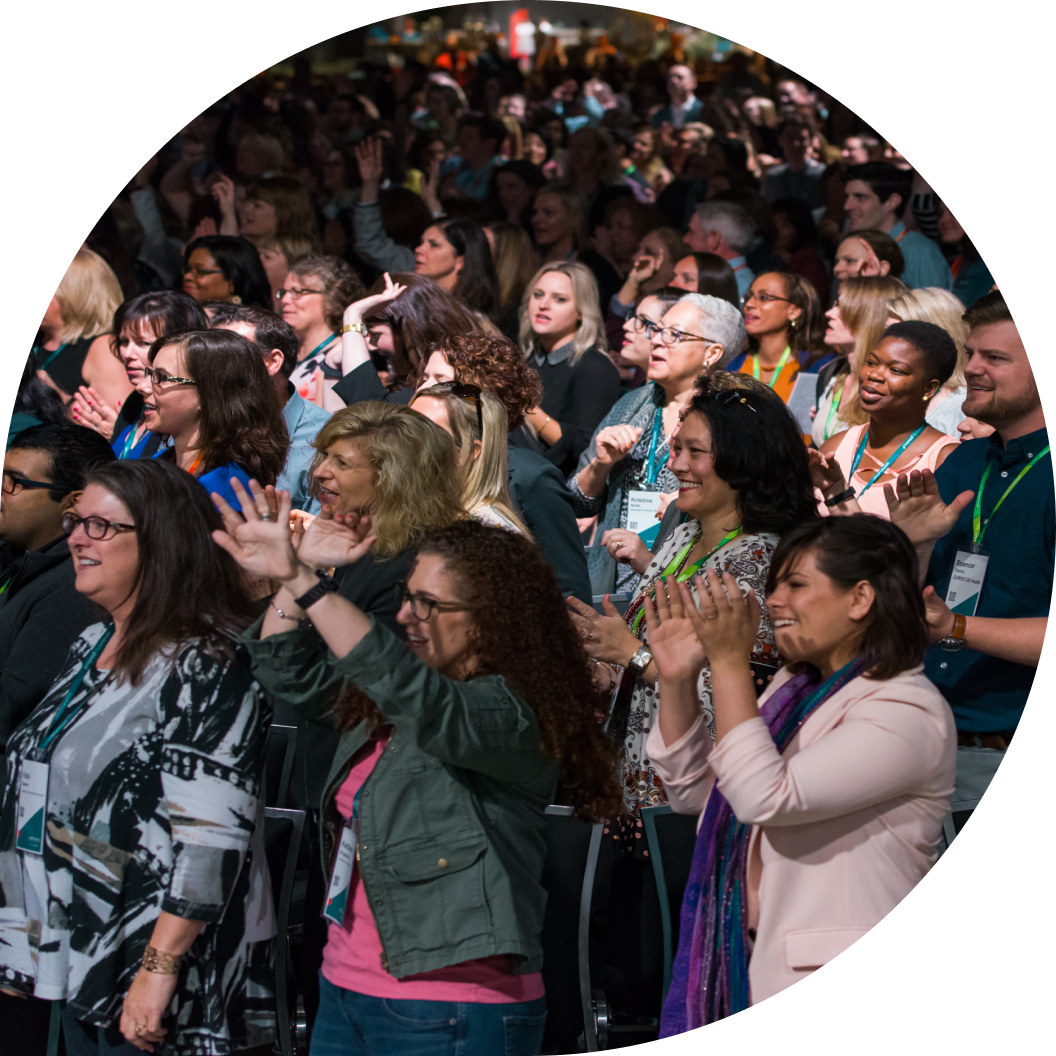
(65, 716)
(130, 440)
(318, 348)
(888, 464)
(47, 363)
(978, 525)
(652, 468)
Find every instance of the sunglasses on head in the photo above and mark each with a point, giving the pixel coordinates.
(471, 392)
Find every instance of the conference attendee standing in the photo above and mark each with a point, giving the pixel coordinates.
(132, 871)
(849, 750)
(991, 497)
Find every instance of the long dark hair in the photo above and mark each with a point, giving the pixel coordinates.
(158, 312)
(422, 315)
(850, 549)
(188, 587)
(478, 282)
(758, 450)
(513, 596)
(240, 262)
(715, 278)
(240, 413)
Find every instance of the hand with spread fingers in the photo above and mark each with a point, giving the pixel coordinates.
(725, 620)
(89, 408)
(606, 638)
(259, 538)
(333, 540)
(673, 639)
(917, 507)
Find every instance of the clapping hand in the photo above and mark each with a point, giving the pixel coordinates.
(727, 622)
(259, 539)
(917, 507)
(614, 442)
(90, 409)
(333, 540)
(606, 638)
(826, 474)
(673, 640)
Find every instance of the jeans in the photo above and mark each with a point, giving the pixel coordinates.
(353, 1024)
(83, 1039)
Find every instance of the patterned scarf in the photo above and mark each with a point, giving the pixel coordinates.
(710, 974)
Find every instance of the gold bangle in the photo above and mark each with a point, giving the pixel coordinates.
(357, 327)
(161, 963)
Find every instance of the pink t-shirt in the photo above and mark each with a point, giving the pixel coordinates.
(352, 957)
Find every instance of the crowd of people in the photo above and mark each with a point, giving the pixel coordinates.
(587, 436)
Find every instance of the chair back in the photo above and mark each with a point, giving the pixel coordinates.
(278, 764)
(282, 841)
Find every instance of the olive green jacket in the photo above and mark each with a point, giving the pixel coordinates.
(451, 839)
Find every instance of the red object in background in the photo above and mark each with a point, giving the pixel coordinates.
(518, 17)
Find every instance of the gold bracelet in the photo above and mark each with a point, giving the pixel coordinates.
(161, 963)
(357, 327)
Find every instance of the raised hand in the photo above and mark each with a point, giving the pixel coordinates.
(357, 309)
(90, 409)
(673, 641)
(614, 441)
(333, 540)
(644, 267)
(431, 186)
(917, 507)
(605, 637)
(223, 191)
(727, 621)
(627, 548)
(259, 539)
(369, 160)
(826, 474)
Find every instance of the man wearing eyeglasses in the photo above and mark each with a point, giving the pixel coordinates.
(40, 611)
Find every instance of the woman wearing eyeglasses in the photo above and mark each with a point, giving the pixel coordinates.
(209, 392)
(225, 268)
(624, 475)
(478, 424)
(135, 887)
(313, 298)
(782, 316)
(451, 748)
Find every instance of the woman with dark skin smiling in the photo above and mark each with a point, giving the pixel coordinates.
(895, 383)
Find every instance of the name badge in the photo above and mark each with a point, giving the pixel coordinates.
(966, 582)
(341, 877)
(642, 507)
(32, 807)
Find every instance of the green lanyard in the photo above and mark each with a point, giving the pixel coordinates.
(688, 572)
(888, 464)
(978, 525)
(6, 583)
(833, 408)
(65, 716)
(785, 357)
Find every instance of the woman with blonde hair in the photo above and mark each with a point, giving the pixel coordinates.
(514, 259)
(856, 321)
(931, 304)
(478, 424)
(73, 346)
(563, 337)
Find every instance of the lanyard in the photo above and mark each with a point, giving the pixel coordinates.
(978, 526)
(686, 573)
(889, 463)
(785, 356)
(50, 359)
(318, 348)
(130, 440)
(63, 718)
(6, 583)
(652, 468)
(837, 393)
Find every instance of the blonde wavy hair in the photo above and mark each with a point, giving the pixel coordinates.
(88, 296)
(864, 309)
(485, 479)
(931, 304)
(417, 486)
(591, 331)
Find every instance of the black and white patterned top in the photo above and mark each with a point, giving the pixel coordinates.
(153, 804)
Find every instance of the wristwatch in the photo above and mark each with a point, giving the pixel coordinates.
(639, 662)
(359, 327)
(954, 641)
(326, 585)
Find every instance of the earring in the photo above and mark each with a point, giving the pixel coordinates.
(793, 323)
(926, 398)
(236, 299)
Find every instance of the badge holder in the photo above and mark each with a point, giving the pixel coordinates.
(966, 580)
(32, 807)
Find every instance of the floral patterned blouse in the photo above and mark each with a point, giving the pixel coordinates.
(153, 804)
(747, 558)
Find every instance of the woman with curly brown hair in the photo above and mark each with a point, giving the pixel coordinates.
(451, 749)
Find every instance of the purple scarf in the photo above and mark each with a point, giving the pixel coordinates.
(710, 974)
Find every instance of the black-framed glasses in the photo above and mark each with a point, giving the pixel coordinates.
(294, 291)
(671, 335)
(98, 528)
(422, 607)
(200, 273)
(763, 298)
(640, 323)
(13, 484)
(160, 377)
(471, 392)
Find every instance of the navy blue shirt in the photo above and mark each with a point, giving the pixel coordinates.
(988, 694)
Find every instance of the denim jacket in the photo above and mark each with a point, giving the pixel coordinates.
(451, 819)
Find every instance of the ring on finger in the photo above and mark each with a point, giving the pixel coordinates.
(267, 516)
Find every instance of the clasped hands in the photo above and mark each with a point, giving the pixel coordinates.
(266, 541)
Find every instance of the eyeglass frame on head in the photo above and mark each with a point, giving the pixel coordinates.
(296, 291)
(164, 378)
(403, 594)
(70, 523)
(18, 483)
(471, 392)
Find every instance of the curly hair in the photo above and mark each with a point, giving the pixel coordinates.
(417, 486)
(494, 364)
(523, 631)
(341, 285)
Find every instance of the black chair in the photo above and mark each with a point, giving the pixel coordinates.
(282, 841)
(621, 601)
(278, 764)
(671, 839)
(572, 847)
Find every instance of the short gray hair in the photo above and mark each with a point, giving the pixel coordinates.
(731, 221)
(720, 322)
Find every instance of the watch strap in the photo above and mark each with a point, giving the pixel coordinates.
(326, 585)
(960, 623)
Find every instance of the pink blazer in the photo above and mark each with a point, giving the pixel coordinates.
(844, 823)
